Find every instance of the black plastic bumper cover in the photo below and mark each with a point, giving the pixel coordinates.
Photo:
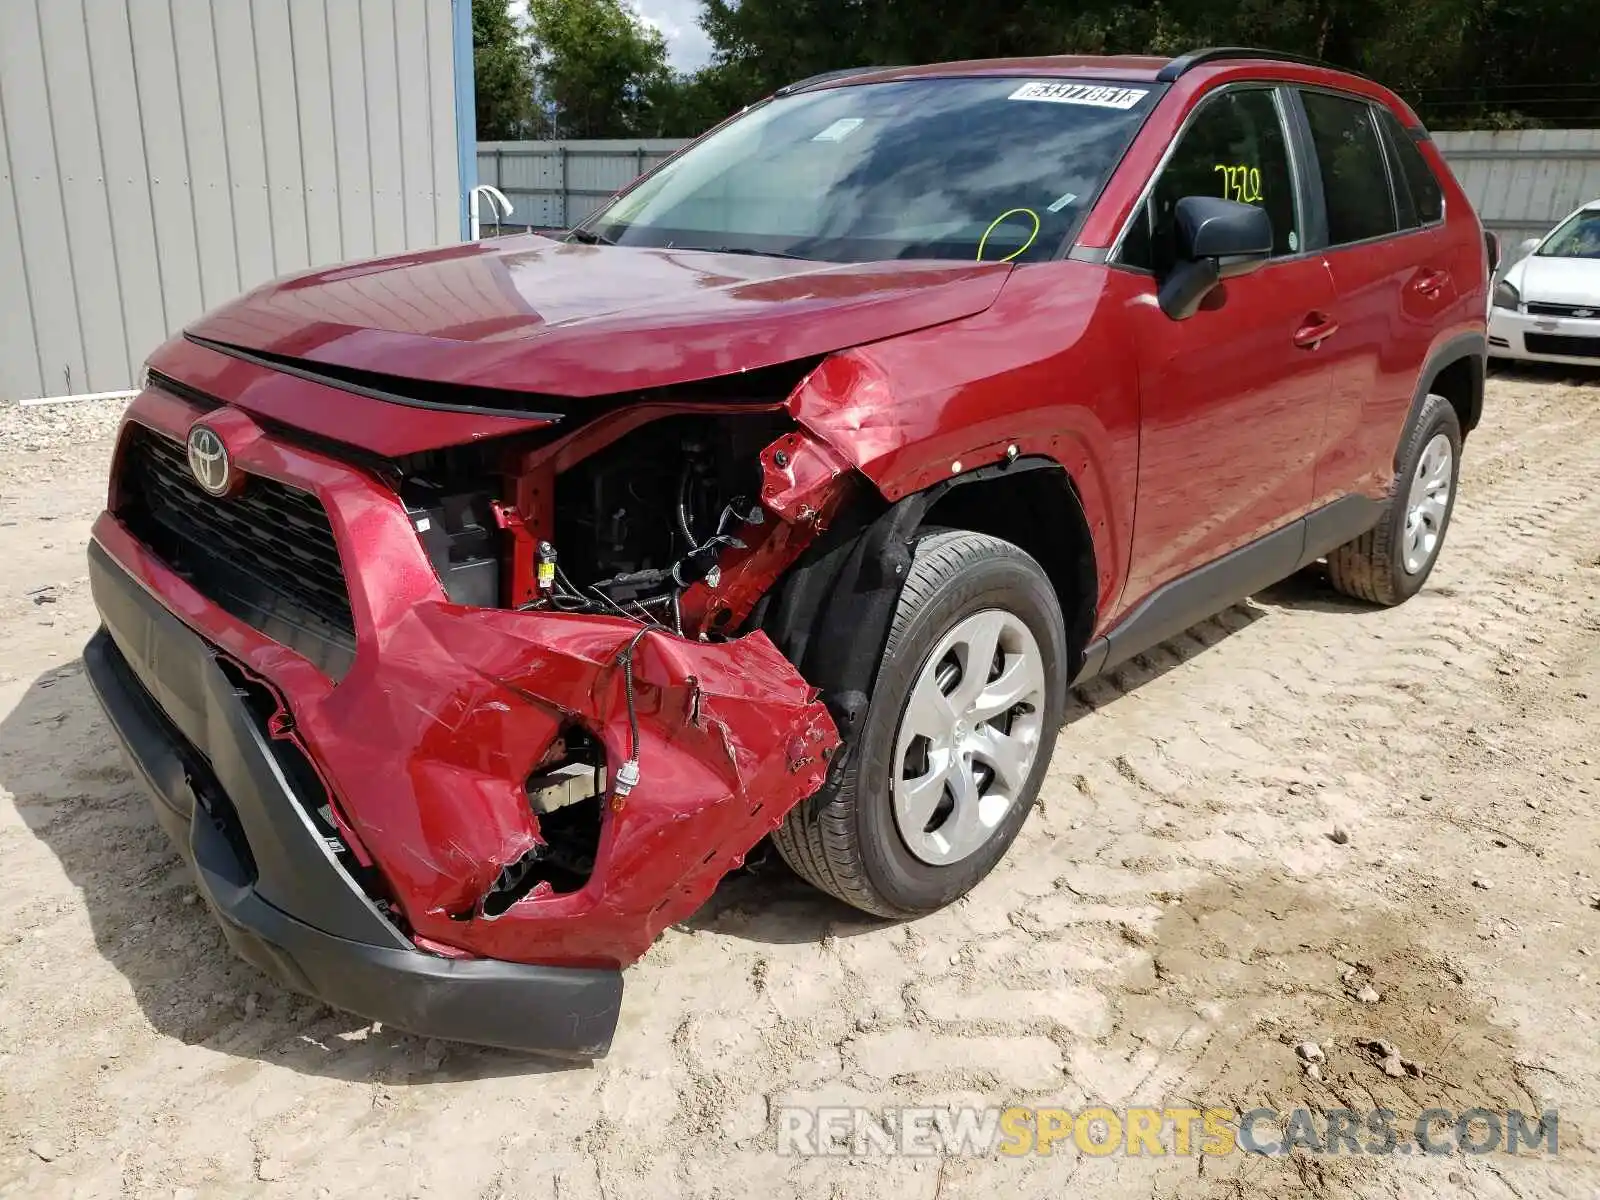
(214, 781)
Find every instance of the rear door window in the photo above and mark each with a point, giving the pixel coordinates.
(1235, 147)
(1355, 176)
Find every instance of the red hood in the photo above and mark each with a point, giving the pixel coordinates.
(529, 314)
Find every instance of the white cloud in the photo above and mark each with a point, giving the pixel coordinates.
(678, 20)
(688, 48)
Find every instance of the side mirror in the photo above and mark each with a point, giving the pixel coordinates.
(1217, 239)
(1528, 247)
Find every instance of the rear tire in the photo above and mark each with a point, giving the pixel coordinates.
(937, 788)
(1390, 562)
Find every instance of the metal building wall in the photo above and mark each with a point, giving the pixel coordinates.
(1523, 181)
(162, 156)
(556, 184)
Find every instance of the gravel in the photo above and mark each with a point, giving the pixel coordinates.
(44, 428)
(1309, 1052)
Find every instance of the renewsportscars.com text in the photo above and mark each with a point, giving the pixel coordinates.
(1101, 1131)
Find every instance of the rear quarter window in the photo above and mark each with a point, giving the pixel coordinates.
(1417, 180)
(1355, 175)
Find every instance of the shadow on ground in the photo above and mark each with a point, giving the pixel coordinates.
(1309, 590)
(74, 792)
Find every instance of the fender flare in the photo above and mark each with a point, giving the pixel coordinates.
(851, 580)
(1472, 346)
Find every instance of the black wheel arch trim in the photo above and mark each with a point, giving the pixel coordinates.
(1466, 346)
(833, 615)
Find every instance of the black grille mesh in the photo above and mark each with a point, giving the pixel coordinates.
(267, 556)
(1572, 347)
(1540, 309)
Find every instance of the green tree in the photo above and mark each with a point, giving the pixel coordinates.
(1406, 43)
(503, 67)
(602, 70)
(767, 43)
(1459, 61)
(688, 105)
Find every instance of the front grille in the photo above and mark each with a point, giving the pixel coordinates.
(1571, 347)
(267, 556)
(1564, 310)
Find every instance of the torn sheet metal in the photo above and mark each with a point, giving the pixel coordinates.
(730, 739)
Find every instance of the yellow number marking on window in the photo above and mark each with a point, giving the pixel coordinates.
(1240, 183)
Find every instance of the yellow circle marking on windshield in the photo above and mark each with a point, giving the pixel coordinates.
(1005, 216)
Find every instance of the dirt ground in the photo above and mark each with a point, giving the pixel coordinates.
(1173, 921)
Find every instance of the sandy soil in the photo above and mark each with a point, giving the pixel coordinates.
(1174, 920)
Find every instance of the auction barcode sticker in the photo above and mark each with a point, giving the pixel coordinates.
(1094, 95)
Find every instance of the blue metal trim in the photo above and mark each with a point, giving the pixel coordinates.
(466, 110)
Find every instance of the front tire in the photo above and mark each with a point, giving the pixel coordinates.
(958, 734)
(1390, 562)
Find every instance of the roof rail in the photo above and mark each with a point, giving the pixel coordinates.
(1199, 58)
(826, 77)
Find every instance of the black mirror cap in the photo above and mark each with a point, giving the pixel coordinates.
(1211, 227)
(1185, 289)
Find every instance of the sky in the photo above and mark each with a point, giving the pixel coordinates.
(687, 47)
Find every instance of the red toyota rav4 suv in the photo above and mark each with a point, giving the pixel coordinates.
(471, 613)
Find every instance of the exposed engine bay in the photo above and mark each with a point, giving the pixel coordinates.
(653, 514)
(656, 526)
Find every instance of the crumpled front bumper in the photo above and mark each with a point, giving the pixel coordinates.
(341, 949)
(423, 751)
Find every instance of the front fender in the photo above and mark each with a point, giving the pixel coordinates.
(1048, 371)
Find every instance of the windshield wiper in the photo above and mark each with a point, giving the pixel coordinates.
(744, 250)
(590, 238)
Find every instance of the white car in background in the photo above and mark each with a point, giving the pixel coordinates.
(1547, 308)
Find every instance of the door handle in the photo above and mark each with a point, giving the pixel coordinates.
(1430, 283)
(1318, 328)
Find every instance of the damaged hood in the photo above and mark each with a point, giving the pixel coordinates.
(559, 319)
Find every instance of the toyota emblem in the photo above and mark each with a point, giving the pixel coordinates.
(208, 460)
(1583, 312)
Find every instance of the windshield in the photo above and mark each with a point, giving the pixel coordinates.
(1578, 238)
(973, 168)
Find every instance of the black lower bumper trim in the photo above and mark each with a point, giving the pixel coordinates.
(570, 1012)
